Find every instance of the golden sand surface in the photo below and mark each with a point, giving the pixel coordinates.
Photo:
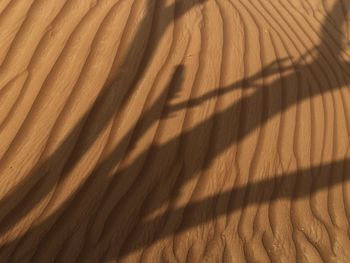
(174, 131)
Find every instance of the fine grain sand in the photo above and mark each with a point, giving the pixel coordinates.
(174, 131)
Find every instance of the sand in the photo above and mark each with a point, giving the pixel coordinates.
(174, 131)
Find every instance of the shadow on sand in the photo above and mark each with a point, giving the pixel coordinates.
(122, 223)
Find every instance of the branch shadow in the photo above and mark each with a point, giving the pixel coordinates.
(113, 219)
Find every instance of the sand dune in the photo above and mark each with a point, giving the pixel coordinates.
(174, 131)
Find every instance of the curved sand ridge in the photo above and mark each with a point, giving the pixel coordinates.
(174, 131)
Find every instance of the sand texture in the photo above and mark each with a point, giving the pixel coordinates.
(174, 131)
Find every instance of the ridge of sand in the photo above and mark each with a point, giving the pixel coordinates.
(174, 131)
